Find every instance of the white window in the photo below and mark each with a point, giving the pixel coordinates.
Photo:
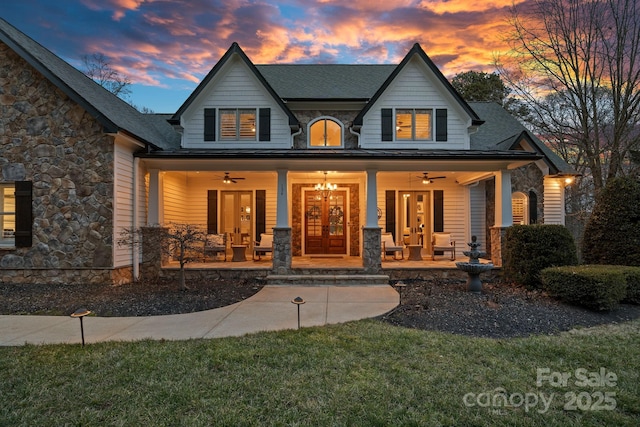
(520, 208)
(7, 214)
(325, 132)
(238, 124)
(414, 124)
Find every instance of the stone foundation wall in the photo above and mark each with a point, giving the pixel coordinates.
(76, 276)
(50, 140)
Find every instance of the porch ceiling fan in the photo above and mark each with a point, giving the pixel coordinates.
(230, 179)
(426, 179)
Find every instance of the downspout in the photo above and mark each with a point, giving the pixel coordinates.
(135, 248)
(293, 136)
(352, 132)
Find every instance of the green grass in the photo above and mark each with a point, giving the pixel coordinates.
(363, 373)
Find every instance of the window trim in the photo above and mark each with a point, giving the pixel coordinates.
(11, 240)
(432, 124)
(237, 136)
(325, 147)
(519, 195)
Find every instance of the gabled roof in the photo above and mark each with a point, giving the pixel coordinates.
(502, 131)
(110, 111)
(235, 50)
(417, 50)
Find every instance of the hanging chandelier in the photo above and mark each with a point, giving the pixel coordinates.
(325, 188)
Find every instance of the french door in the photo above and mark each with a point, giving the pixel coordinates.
(237, 216)
(324, 223)
(414, 217)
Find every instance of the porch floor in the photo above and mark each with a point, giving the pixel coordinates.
(328, 262)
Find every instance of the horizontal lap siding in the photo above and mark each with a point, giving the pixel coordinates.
(553, 201)
(456, 213)
(197, 188)
(176, 209)
(413, 89)
(235, 87)
(123, 162)
(478, 213)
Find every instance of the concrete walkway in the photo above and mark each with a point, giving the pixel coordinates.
(270, 309)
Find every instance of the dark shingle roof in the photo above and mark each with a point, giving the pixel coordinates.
(325, 81)
(501, 131)
(112, 112)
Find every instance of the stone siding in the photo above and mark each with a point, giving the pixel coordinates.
(301, 142)
(48, 139)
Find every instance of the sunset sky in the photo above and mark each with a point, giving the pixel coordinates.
(166, 47)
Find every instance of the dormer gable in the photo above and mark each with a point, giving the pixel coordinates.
(416, 107)
(233, 107)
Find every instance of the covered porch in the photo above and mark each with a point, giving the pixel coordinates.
(410, 195)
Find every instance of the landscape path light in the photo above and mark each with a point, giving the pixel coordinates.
(399, 286)
(80, 313)
(298, 301)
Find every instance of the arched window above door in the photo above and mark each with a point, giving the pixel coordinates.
(325, 132)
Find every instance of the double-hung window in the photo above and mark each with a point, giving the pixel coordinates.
(414, 124)
(238, 124)
(7, 214)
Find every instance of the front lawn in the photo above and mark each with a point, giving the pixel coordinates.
(363, 373)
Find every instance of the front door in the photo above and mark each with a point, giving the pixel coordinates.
(414, 218)
(324, 223)
(237, 216)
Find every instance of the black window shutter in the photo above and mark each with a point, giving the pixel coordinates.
(264, 125)
(209, 124)
(24, 214)
(387, 124)
(390, 212)
(438, 211)
(533, 207)
(261, 212)
(441, 124)
(212, 211)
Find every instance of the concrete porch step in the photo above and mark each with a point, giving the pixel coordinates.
(328, 279)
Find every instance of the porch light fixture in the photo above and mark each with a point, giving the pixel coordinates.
(325, 188)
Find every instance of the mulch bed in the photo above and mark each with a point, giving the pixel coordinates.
(500, 311)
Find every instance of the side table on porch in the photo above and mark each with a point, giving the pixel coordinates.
(415, 252)
(239, 253)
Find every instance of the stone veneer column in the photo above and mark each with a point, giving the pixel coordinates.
(498, 239)
(371, 233)
(151, 252)
(281, 250)
(371, 257)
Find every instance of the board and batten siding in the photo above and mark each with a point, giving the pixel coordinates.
(553, 201)
(416, 87)
(235, 86)
(123, 202)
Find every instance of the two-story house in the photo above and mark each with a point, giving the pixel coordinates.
(325, 157)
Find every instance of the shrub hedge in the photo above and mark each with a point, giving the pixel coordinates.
(612, 233)
(531, 248)
(632, 275)
(598, 287)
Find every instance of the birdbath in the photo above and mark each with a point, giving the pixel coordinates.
(474, 267)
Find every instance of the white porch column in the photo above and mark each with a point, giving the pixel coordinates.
(504, 215)
(282, 215)
(154, 214)
(372, 199)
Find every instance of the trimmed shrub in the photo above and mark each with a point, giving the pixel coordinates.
(598, 287)
(632, 276)
(531, 248)
(612, 233)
